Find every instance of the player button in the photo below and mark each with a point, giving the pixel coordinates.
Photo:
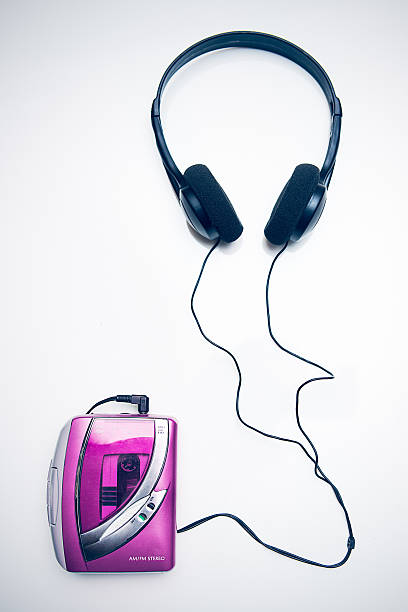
(52, 496)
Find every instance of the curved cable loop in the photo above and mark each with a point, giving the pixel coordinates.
(314, 458)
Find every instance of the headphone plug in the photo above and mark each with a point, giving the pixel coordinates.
(142, 402)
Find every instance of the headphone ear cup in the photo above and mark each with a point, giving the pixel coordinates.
(214, 201)
(291, 204)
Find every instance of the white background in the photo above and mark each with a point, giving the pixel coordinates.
(98, 267)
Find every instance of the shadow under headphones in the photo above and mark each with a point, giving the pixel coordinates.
(207, 207)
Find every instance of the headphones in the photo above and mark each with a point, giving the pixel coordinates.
(296, 211)
(206, 205)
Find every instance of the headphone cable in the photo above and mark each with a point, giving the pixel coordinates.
(313, 457)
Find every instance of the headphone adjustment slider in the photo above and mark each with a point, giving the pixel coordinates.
(337, 110)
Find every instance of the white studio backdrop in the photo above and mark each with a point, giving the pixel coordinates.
(98, 267)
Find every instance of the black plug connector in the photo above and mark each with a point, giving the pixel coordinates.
(142, 402)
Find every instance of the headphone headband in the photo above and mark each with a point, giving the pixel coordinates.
(252, 40)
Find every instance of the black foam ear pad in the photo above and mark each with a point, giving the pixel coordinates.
(291, 203)
(214, 201)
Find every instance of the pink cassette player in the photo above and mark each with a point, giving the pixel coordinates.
(111, 493)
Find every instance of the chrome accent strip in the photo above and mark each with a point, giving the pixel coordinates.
(116, 531)
(124, 517)
(136, 521)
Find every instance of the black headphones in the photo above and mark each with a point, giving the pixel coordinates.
(297, 210)
(207, 207)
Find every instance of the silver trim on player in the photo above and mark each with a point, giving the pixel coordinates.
(54, 493)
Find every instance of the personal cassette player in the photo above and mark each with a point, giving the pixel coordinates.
(111, 493)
